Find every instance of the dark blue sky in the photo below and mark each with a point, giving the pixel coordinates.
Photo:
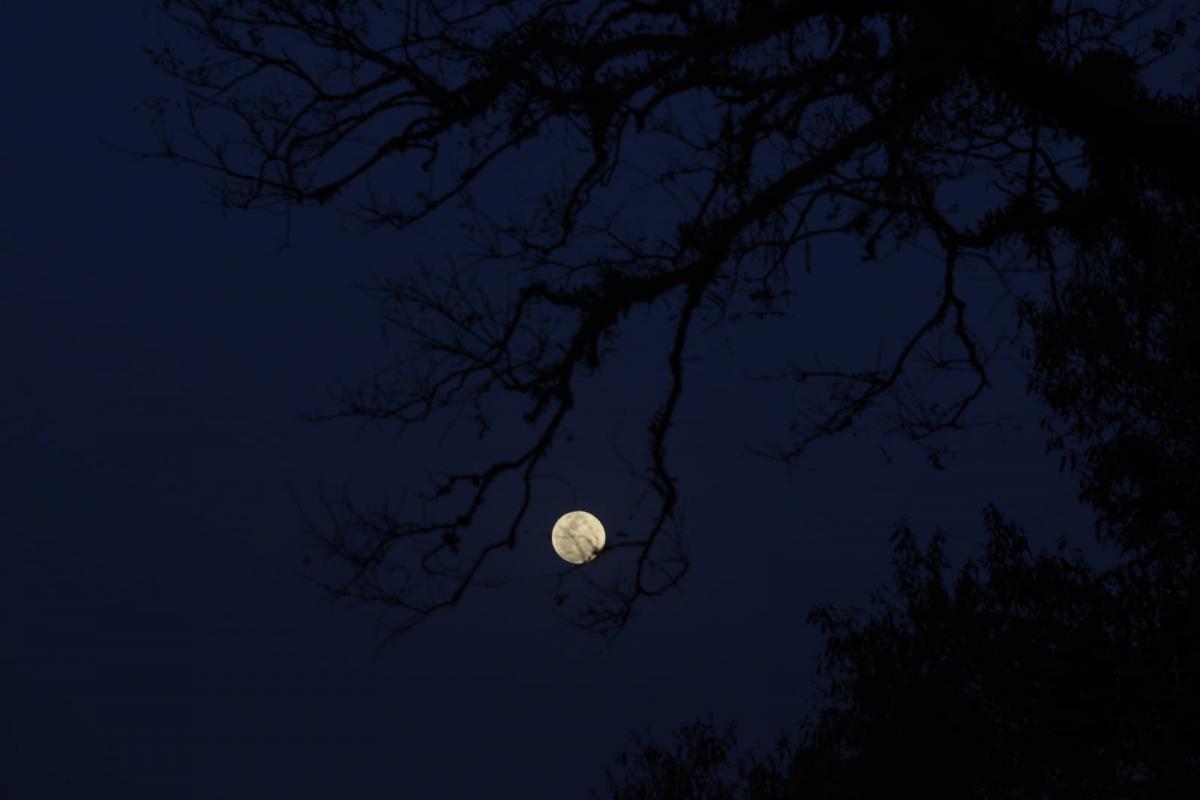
(160, 637)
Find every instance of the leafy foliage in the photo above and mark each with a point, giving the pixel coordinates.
(1116, 359)
(1020, 675)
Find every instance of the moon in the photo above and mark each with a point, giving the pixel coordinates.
(577, 537)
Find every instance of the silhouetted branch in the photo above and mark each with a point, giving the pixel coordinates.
(761, 126)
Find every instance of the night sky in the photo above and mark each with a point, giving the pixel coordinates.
(162, 636)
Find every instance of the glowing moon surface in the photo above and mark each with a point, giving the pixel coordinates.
(577, 537)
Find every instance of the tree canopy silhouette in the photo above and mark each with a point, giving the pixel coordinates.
(1022, 676)
(762, 127)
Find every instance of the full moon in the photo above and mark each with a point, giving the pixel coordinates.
(577, 537)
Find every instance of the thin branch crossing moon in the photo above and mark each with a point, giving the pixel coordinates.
(577, 537)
